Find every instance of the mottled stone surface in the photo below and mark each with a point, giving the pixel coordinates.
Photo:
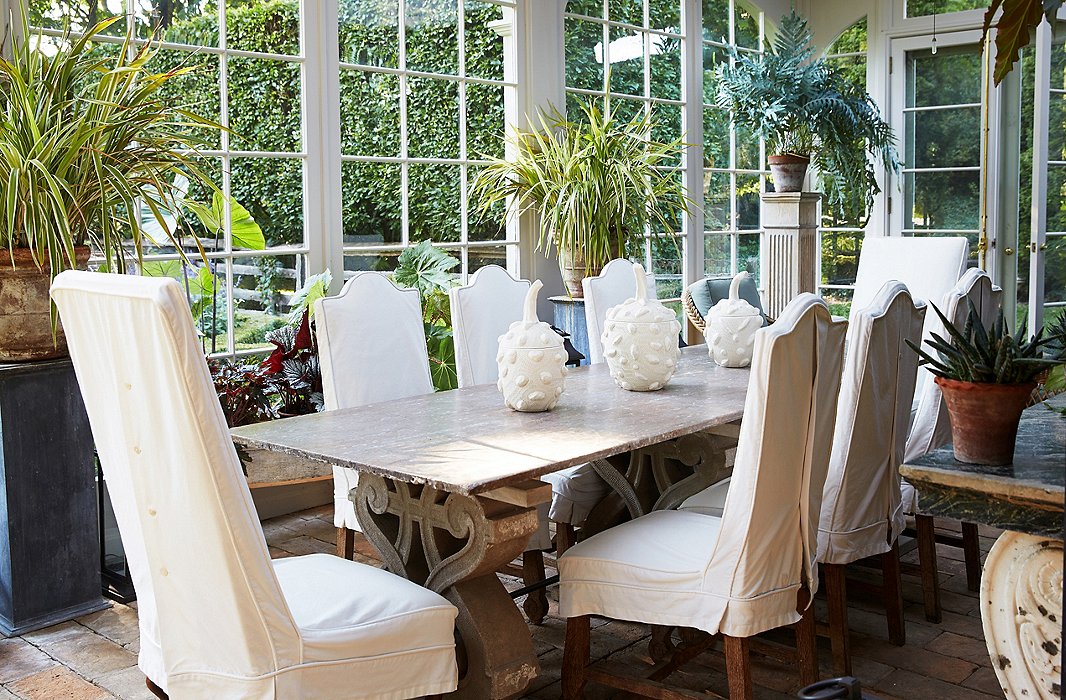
(1026, 496)
(466, 441)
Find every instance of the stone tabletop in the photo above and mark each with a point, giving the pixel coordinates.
(466, 441)
(1026, 496)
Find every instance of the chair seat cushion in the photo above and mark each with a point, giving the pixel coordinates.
(346, 610)
(908, 497)
(575, 492)
(709, 501)
(650, 570)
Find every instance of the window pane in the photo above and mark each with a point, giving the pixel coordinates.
(851, 40)
(268, 27)
(264, 104)
(1055, 269)
(715, 138)
(839, 301)
(665, 67)
(747, 148)
(78, 15)
(370, 113)
(667, 266)
(943, 138)
(748, 202)
(923, 8)
(484, 121)
(432, 36)
(369, 32)
(197, 91)
(665, 15)
(717, 259)
(384, 261)
(484, 47)
(746, 26)
(271, 189)
(840, 256)
(485, 227)
(713, 57)
(1056, 201)
(952, 76)
(716, 201)
(748, 255)
(482, 257)
(626, 54)
(716, 20)
(194, 23)
(263, 287)
(666, 122)
(433, 202)
(432, 118)
(943, 200)
(584, 67)
(372, 211)
(628, 11)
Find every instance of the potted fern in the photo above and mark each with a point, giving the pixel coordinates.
(808, 111)
(987, 377)
(597, 182)
(85, 138)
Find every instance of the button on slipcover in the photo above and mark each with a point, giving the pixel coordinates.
(861, 508)
(217, 618)
(482, 311)
(739, 573)
(372, 346)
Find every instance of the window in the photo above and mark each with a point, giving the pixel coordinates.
(841, 234)
(249, 78)
(422, 102)
(924, 8)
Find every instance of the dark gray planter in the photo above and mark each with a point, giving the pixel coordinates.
(49, 540)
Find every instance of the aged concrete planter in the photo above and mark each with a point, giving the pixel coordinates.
(984, 419)
(788, 171)
(25, 309)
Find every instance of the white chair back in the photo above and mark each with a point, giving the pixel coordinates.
(208, 599)
(929, 266)
(613, 286)
(930, 428)
(861, 507)
(371, 343)
(767, 543)
(482, 311)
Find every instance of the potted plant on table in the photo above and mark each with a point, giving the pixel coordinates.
(597, 182)
(808, 111)
(85, 140)
(987, 377)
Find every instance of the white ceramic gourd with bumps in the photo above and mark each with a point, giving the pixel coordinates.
(532, 361)
(731, 327)
(640, 340)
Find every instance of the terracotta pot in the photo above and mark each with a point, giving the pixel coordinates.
(984, 419)
(788, 171)
(25, 309)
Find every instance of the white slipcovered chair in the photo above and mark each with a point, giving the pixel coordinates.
(610, 288)
(217, 618)
(931, 429)
(372, 348)
(862, 513)
(750, 566)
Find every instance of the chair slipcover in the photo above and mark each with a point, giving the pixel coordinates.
(482, 311)
(861, 510)
(930, 427)
(217, 620)
(704, 294)
(739, 573)
(613, 286)
(372, 347)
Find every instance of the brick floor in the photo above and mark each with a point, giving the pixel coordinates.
(94, 657)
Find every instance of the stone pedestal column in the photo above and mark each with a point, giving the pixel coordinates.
(790, 220)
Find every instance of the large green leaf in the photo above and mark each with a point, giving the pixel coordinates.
(426, 268)
(1013, 28)
(316, 287)
(244, 231)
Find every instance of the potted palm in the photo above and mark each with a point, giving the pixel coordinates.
(85, 141)
(597, 182)
(808, 111)
(987, 377)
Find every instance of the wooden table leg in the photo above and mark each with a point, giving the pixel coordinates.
(1021, 601)
(453, 544)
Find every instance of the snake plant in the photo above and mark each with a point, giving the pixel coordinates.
(982, 355)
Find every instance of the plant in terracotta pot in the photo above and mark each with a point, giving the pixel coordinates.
(987, 377)
(597, 182)
(808, 111)
(85, 142)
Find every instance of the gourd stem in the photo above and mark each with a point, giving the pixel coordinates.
(642, 282)
(529, 313)
(734, 286)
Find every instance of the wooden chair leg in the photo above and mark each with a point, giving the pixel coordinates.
(806, 639)
(155, 689)
(928, 564)
(738, 667)
(345, 543)
(576, 656)
(536, 603)
(971, 548)
(565, 537)
(837, 597)
(893, 595)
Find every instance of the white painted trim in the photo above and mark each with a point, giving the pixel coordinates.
(1038, 213)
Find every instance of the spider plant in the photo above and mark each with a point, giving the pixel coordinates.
(85, 139)
(985, 356)
(806, 107)
(598, 182)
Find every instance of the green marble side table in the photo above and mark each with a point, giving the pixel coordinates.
(1021, 586)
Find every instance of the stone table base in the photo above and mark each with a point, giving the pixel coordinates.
(1021, 600)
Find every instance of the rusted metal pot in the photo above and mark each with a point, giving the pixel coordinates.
(788, 171)
(25, 309)
(984, 419)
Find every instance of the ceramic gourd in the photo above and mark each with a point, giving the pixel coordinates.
(640, 340)
(731, 327)
(532, 361)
